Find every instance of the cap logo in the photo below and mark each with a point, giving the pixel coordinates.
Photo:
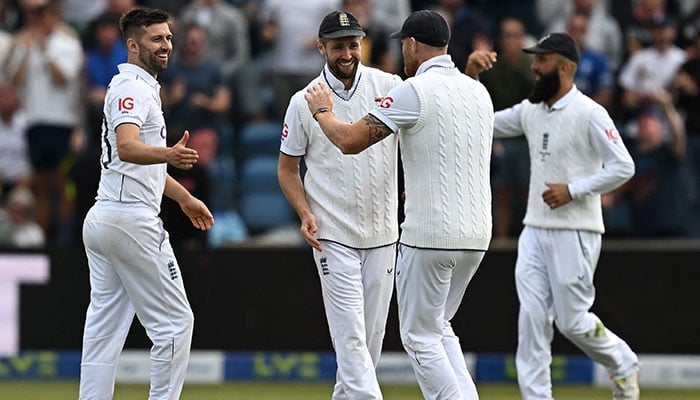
(343, 19)
(545, 37)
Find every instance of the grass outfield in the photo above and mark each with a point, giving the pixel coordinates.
(68, 390)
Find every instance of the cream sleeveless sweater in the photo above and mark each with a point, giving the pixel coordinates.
(446, 158)
(561, 152)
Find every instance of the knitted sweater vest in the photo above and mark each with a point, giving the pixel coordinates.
(446, 158)
(561, 152)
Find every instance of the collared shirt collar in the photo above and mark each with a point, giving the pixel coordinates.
(337, 86)
(444, 61)
(140, 72)
(564, 101)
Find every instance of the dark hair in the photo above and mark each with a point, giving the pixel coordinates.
(133, 22)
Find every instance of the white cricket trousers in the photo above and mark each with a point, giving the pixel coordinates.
(430, 285)
(554, 280)
(356, 286)
(133, 271)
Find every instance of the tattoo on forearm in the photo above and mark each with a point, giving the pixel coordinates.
(377, 129)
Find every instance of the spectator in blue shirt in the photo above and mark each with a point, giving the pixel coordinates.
(593, 75)
(195, 92)
(107, 51)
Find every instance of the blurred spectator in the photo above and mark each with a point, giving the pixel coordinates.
(376, 46)
(509, 82)
(657, 193)
(79, 13)
(687, 83)
(593, 75)
(14, 161)
(468, 30)
(645, 14)
(10, 15)
(390, 14)
(5, 44)
(194, 92)
(45, 64)
(603, 34)
(290, 27)
(120, 7)
(551, 10)
(688, 28)
(107, 52)
(227, 28)
(17, 225)
(651, 69)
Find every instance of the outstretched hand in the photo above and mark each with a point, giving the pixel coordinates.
(180, 156)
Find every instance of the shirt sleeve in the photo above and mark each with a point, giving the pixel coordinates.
(294, 139)
(618, 166)
(400, 108)
(128, 104)
(508, 122)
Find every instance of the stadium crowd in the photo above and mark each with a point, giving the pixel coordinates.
(237, 62)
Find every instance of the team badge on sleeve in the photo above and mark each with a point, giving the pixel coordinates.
(612, 134)
(386, 102)
(126, 103)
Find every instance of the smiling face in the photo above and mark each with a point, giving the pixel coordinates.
(342, 56)
(152, 50)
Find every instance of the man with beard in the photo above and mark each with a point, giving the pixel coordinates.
(576, 154)
(132, 266)
(444, 120)
(348, 206)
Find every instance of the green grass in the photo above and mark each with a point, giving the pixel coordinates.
(68, 390)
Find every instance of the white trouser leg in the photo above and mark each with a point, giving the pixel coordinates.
(554, 278)
(107, 322)
(356, 287)
(572, 267)
(378, 284)
(460, 280)
(430, 285)
(535, 331)
(138, 251)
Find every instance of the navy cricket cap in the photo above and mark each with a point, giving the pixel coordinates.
(559, 43)
(339, 24)
(426, 26)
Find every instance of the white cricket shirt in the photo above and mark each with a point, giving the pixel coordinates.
(354, 197)
(132, 97)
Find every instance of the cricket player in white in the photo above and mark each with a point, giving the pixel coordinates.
(348, 207)
(576, 155)
(132, 266)
(446, 121)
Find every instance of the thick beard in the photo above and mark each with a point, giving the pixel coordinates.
(336, 70)
(545, 88)
(150, 61)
